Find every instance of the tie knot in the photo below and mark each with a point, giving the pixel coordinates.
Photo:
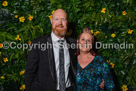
(61, 42)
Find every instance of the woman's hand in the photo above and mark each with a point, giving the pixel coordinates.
(102, 84)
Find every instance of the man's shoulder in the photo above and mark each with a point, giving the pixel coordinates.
(40, 39)
(72, 40)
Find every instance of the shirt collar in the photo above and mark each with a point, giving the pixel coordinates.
(55, 38)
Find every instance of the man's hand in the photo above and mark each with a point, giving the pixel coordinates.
(102, 84)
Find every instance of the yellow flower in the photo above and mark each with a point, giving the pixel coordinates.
(108, 62)
(113, 35)
(0, 52)
(22, 87)
(124, 88)
(16, 16)
(22, 72)
(1, 45)
(22, 19)
(124, 12)
(2, 77)
(97, 32)
(50, 17)
(112, 64)
(130, 31)
(30, 18)
(5, 3)
(29, 43)
(52, 11)
(5, 60)
(18, 38)
(91, 31)
(103, 10)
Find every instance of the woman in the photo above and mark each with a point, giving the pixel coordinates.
(91, 68)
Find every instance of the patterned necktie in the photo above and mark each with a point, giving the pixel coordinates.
(62, 84)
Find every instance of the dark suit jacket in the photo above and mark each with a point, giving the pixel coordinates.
(40, 74)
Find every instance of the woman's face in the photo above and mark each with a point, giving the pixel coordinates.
(85, 42)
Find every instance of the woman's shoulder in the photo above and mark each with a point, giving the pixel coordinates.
(100, 59)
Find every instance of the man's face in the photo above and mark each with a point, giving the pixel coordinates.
(59, 23)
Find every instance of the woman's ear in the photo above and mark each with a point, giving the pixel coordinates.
(77, 41)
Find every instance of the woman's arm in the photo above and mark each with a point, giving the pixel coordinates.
(108, 80)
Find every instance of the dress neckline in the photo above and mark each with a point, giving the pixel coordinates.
(87, 64)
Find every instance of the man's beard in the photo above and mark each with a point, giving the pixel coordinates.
(59, 32)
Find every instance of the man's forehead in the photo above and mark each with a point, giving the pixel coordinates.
(60, 17)
(59, 13)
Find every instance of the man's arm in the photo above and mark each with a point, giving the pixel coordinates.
(31, 67)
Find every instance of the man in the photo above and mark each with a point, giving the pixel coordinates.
(53, 69)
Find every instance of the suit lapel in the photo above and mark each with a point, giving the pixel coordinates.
(72, 57)
(51, 58)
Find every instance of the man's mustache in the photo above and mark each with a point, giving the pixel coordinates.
(59, 26)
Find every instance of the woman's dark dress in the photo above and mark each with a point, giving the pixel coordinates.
(90, 77)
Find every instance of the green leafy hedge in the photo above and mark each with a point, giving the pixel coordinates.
(111, 21)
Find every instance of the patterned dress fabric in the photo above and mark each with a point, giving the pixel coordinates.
(90, 77)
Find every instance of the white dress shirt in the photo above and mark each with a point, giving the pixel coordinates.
(56, 57)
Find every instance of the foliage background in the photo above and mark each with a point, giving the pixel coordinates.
(82, 13)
